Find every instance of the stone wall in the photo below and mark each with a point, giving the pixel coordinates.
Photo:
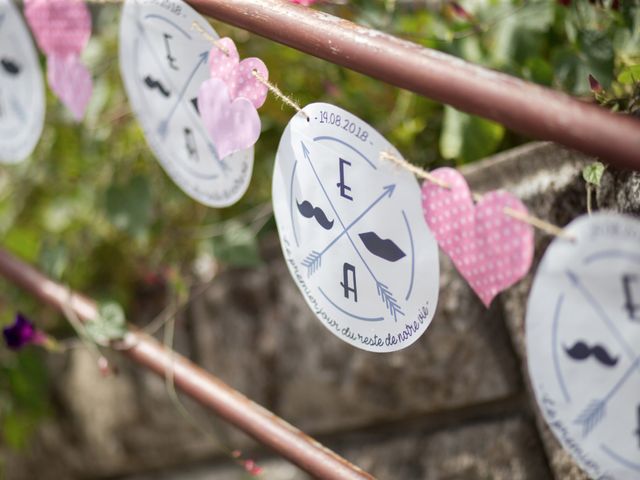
(455, 405)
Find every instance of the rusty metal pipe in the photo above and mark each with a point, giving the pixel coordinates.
(210, 391)
(524, 107)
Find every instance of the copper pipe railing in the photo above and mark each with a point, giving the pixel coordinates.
(200, 385)
(524, 107)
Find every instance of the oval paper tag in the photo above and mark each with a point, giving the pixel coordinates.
(583, 342)
(163, 61)
(352, 231)
(22, 104)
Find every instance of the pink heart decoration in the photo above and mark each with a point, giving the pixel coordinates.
(224, 63)
(71, 82)
(233, 125)
(490, 249)
(61, 27)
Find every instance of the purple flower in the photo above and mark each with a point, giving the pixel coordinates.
(22, 333)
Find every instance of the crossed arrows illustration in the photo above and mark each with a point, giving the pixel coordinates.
(163, 126)
(313, 261)
(593, 414)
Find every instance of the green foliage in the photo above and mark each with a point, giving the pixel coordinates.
(592, 173)
(630, 75)
(466, 137)
(23, 396)
(109, 325)
(128, 206)
(237, 246)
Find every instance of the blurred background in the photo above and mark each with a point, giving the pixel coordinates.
(93, 209)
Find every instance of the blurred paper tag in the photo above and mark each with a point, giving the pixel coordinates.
(22, 99)
(583, 343)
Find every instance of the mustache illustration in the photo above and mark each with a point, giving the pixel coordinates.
(153, 84)
(385, 249)
(582, 351)
(309, 211)
(10, 67)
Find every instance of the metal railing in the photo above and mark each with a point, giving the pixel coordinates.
(200, 385)
(522, 106)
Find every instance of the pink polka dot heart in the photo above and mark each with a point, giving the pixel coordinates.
(232, 124)
(61, 27)
(71, 82)
(224, 63)
(490, 249)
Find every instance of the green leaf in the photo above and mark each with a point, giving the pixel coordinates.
(237, 246)
(23, 242)
(520, 33)
(630, 75)
(406, 132)
(109, 325)
(592, 173)
(129, 206)
(465, 137)
(538, 70)
(593, 56)
(54, 259)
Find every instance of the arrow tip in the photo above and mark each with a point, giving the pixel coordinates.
(389, 189)
(204, 56)
(305, 150)
(573, 277)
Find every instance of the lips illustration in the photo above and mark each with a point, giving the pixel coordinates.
(9, 66)
(385, 249)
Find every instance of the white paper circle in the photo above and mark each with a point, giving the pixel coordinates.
(22, 103)
(163, 61)
(583, 343)
(352, 231)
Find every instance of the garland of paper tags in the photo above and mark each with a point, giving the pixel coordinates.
(359, 235)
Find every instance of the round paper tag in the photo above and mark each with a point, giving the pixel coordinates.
(352, 231)
(583, 342)
(163, 61)
(22, 104)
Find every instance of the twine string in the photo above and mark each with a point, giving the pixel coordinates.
(278, 93)
(527, 218)
(417, 171)
(536, 222)
(272, 88)
(208, 37)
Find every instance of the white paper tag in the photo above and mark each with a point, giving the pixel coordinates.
(583, 342)
(22, 103)
(163, 61)
(352, 231)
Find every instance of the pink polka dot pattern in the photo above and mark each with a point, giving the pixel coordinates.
(223, 65)
(61, 27)
(238, 75)
(247, 85)
(232, 124)
(490, 249)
